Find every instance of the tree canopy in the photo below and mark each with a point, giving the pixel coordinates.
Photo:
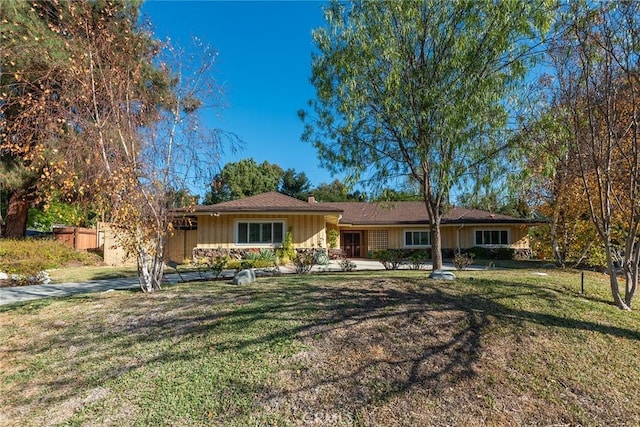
(418, 89)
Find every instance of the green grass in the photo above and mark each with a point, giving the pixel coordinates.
(373, 348)
(87, 273)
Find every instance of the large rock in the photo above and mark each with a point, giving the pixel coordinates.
(244, 277)
(442, 275)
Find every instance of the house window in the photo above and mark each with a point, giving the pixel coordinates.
(259, 232)
(492, 237)
(378, 239)
(414, 238)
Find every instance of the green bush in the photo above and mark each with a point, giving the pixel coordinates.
(286, 252)
(391, 259)
(419, 258)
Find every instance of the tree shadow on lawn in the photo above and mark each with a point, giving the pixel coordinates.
(367, 340)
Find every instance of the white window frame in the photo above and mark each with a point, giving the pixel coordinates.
(416, 230)
(236, 231)
(491, 245)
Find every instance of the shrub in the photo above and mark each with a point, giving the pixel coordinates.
(286, 252)
(347, 265)
(17, 257)
(304, 261)
(419, 258)
(390, 258)
(333, 238)
(462, 261)
(479, 252)
(504, 253)
(217, 264)
(321, 257)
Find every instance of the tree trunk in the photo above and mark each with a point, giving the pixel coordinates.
(613, 280)
(436, 243)
(151, 266)
(16, 225)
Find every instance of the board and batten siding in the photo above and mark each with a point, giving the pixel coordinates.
(518, 236)
(219, 231)
(180, 244)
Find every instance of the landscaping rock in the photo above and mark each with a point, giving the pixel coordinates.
(442, 275)
(4, 276)
(244, 277)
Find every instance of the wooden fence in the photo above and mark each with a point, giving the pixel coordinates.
(80, 239)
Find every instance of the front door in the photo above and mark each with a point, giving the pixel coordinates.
(351, 244)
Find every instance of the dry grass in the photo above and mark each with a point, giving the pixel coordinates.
(384, 348)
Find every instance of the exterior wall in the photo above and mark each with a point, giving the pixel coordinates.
(180, 245)
(114, 255)
(518, 235)
(219, 231)
(375, 237)
(310, 231)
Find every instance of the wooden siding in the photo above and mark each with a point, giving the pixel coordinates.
(518, 235)
(219, 231)
(180, 245)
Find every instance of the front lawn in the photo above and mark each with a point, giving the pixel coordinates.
(374, 348)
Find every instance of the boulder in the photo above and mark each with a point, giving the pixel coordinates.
(244, 277)
(442, 275)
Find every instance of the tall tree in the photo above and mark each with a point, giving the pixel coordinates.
(64, 66)
(114, 120)
(337, 191)
(242, 179)
(418, 89)
(295, 184)
(598, 87)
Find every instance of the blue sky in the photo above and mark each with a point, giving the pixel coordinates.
(264, 64)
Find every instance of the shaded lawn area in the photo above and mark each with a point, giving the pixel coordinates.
(376, 348)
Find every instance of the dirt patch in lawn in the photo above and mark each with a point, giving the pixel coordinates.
(392, 352)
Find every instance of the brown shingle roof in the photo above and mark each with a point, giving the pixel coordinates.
(358, 213)
(268, 202)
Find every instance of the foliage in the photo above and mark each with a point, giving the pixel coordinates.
(286, 252)
(419, 89)
(419, 259)
(391, 259)
(337, 191)
(332, 238)
(462, 261)
(58, 212)
(242, 179)
(304, 261)
(104, 114)
(295, 184)
(593, 99)
(217, 264)
(17, 256)
(347, 265)
(321, 257)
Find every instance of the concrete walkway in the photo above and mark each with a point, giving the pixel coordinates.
(10, 295)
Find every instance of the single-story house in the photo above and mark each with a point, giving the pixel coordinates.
(262, 221)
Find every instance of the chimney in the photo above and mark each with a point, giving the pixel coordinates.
(311, 199)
